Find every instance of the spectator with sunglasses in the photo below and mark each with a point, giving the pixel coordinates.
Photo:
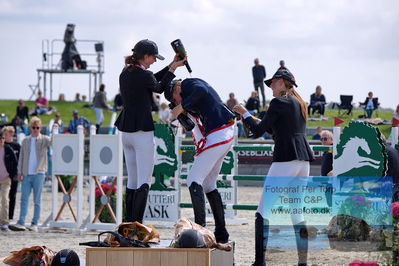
(8, 134)
(326, 138)
(8, 170)
(32, 166)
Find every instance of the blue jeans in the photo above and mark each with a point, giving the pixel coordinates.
(30, 182)
(369, 112)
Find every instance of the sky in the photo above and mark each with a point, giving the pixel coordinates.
(346, 47)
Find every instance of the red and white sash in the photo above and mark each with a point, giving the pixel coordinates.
(216, 137)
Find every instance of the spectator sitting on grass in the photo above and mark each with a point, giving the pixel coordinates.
(252, 104)
(41, 104)
(77, 97)
(76, 121)
(21, 113)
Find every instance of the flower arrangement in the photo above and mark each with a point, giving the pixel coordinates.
(357, 206)
(105, 188)
(105, 216)
(36, 256)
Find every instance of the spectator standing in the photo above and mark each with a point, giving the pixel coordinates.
(41, 104)
(8, 134)
(317, 102)
(100, 103)
(370, 104)
(32, 166)
(84, 98)
(259, 75)
(76, 121)
(8, 171)
(252, 104)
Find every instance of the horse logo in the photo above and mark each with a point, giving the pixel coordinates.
(165, 157)
(360, 152)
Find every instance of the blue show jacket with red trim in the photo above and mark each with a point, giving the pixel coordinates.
(200, 99)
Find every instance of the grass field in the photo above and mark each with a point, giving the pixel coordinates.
(65, 109)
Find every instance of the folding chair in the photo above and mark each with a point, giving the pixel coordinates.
(346, 104)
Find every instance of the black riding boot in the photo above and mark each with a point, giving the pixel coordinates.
(198, 201)
(215, 200)
(301, 237)
(140, 202)
(129, 197)
(261, 237)
(97, 128)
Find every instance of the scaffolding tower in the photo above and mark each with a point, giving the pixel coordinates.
(51, 64)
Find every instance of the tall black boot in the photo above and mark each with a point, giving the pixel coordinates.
(140, 202)
(301, 237)
(198, 201)
(97, 128)
(215, 200)
(261, 237)
(129, 196)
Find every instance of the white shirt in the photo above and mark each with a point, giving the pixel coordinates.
(370, 104)
(32, 157)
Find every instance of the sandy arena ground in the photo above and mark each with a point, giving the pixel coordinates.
(243, 235)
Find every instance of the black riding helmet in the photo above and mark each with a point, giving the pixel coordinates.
(191, 238)
(66, 257)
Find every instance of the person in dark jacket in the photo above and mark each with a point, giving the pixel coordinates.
(317, 102)
(370, 104)
(100, 103)
(213, 134)
(252, 104)
(259, 75)
(135, 121)
(21, 113)
(8, 171)
(16, 147)
(285, 120)
(326, 138)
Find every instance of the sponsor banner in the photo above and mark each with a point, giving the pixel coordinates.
(162, 206)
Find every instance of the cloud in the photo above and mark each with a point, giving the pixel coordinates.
(338, 44)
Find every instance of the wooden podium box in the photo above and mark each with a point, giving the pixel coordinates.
(158, 257)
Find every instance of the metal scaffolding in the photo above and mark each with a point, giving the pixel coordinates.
(51, 64)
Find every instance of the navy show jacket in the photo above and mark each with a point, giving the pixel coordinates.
(200, 99)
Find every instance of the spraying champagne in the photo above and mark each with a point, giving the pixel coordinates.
(178, 47)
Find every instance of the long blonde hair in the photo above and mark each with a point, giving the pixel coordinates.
(290, 90)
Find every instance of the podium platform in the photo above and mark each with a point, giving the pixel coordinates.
(159, 255)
